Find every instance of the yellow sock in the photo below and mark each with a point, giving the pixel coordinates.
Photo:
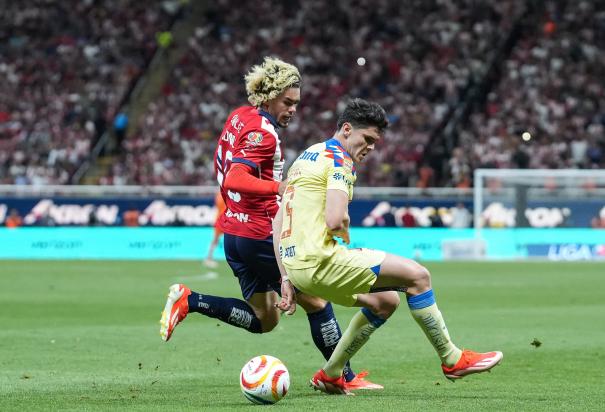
(427, 314)
(432, 323)
(363, 324)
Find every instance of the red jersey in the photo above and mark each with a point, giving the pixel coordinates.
(249, 137)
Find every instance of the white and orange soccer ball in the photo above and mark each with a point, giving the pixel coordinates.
(264, 380)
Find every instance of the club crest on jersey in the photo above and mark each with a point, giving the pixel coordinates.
(254, 138)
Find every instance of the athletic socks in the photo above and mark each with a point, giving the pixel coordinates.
(326, 334)
(235, 312)
(425, 311)
(363, 324)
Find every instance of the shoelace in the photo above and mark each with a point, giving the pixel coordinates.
(467, 356)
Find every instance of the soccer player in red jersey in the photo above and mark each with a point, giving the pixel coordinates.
(249, 167)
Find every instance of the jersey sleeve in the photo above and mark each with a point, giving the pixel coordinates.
(339, 178)
(254, 147)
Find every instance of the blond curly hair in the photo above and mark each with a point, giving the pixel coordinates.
(269, 79)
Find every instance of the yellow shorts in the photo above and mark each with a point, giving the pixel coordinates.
(340, 278)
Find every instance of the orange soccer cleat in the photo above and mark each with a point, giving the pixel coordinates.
(175, 311)
(472, 362)
(332, 386)
(359, 382)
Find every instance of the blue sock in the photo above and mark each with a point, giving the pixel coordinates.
(235, 312)
(374, 319)
(421, 301)
(326, 334)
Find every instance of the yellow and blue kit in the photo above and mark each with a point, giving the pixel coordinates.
(316, 263)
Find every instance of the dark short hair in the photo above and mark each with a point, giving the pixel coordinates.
(363, 114)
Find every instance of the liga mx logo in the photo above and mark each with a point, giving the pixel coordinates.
(254, 138)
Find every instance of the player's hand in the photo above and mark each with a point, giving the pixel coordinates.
(346, 223)
(346, 237)
(287, 303)
(282, 187)
(342, 233)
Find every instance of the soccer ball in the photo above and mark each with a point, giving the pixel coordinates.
(264, 380)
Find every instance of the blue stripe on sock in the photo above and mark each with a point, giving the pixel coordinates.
(422, 301)
(375, 269)
(374, 319)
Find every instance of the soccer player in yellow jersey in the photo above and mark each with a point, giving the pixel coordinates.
(313, 213)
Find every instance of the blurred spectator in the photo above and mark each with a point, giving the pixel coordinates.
(461, 217)
(120, 125)
(164, 39)
(408, 219)
(131, 217)
(13, 219)
(435, 219)
(598, 222)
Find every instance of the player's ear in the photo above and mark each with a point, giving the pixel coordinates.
(347, 129)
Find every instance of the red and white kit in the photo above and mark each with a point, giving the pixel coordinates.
(249, 146)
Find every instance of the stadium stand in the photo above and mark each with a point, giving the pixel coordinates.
(422, 63)
(547, 110)
(66, 66)
(419, 61)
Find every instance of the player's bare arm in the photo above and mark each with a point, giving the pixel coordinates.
(337, 215)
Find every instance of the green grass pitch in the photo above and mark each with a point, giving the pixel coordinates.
(84, 335)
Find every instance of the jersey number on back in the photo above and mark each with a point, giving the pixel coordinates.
(222, 168)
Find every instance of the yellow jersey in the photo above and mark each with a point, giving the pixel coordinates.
(304, 240)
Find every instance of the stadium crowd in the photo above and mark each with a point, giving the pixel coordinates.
(417, 61)
(548, 110)
(65, 67)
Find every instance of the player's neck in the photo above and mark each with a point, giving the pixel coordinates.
(268, 116)
(340, 138)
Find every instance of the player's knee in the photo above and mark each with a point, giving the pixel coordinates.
(421, 280)
(390, 303)
(386, 305)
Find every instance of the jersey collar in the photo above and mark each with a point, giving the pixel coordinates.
(334, 142)
(269, 117)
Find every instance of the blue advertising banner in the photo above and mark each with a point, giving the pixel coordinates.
(69, 211)
(192, 243)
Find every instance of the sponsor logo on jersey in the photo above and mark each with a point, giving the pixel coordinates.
(236, 123)
(254, 138)
(289, 252)
(340, 176)
(242, 217)
(306, 155)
